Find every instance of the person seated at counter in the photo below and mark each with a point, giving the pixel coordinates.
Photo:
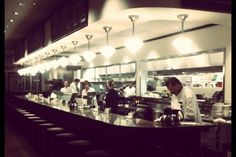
(183, 94)
(85, 91)
(130, 90)
(66, 89)
(112, 97)
(75, 86)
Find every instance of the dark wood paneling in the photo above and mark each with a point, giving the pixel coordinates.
(208, 5)
(35, 39)
(19, 50)
(79, 14)
(69, 17)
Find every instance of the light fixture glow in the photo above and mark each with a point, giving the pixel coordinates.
(182, 43)
(133, 44)
(88, 55)
(15, 13)
(20, 72)
(74, 59)
(107, 51)
(49, 65)
(63, 62)
(55, 64)
(11, 20)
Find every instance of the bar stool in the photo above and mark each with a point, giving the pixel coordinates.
(101, 153)
(25, 124)
(39, 134)
(29, 123)
(78, 148)
(33, 129)
(60, 141)
(48, 139)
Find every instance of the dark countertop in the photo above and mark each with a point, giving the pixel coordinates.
(115, 119)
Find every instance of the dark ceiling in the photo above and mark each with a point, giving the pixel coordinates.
(30, 14)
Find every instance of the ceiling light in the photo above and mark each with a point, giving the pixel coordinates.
(11, 20)
(182, 44)
(34, 3)
(74, 59)
(88, 55)
(107, 51)
(20, 3)
(63, 62)
(54, 63)
(133, 44)
(15, 13)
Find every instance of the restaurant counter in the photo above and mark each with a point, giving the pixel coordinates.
(110, 127)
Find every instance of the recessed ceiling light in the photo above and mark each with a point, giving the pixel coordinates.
(20, 3)
(11, 20)
(5, 31)
(34, 3)
(15, 13)
(7, 26)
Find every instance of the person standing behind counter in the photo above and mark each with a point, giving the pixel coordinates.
(130, 90)
(87, 88)
(66, 88)
(185, 96)
(112, 97)
(75, 86)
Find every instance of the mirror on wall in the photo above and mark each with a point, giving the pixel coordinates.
(202, 71)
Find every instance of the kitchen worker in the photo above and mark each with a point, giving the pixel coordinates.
(112, 97)
(75, 86)
(184, 98)
(130, 90)
(87, 88)
(66, 89)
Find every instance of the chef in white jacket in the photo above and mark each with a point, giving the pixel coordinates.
(130, 90)
(66, 89)
(75, 86)
(184, 98)
(87, 88)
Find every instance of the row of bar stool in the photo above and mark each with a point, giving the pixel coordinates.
(51, 140)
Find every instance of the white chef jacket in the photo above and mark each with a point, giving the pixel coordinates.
(74, 88)
(66, 90)
(129, 91)
(189, 104)
(84, 93)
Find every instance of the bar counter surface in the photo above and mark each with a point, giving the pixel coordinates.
(119, 130)
(113, 119)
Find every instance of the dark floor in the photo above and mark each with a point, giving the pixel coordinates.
(15, 145)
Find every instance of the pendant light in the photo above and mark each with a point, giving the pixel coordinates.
(55, 63)
(63, 61)
(133, 44)
(182, 44)
(75, 58)
(88, 55)
(107, 51)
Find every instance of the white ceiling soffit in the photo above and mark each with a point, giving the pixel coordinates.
(152, 23)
